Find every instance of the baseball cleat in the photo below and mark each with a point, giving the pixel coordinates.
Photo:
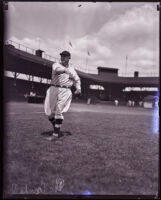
(55, 134)
(52, 137)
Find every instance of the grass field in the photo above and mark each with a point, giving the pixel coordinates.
(112, 150)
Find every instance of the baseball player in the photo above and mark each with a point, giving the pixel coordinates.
(59, 95)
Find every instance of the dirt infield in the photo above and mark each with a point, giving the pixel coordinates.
(111, 150)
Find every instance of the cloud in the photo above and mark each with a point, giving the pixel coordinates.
(134, 33)
(80, 21)
(28, 42)
(56, 19)
(132, 25)
(95, 27)
(92, 45)
(99, 54)
(141, 52)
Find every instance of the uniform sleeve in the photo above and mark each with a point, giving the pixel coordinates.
(73, 74)
(56, 67)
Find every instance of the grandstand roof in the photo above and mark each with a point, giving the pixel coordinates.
(125, 81)
(23, 62)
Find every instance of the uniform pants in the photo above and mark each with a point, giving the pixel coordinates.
(57, 101)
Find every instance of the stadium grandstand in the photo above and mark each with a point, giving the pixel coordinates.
(27, 70)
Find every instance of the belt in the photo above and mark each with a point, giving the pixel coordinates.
(63, 86)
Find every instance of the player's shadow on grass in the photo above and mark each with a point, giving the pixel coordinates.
(49, 133)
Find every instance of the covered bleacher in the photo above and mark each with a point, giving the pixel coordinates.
(33, 65)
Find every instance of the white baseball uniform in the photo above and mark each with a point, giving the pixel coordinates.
(58, 99)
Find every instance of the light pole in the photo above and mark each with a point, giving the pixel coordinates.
(87, 63)
(126, 66)
(38, 39)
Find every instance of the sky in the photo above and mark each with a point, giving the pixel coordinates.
(121, 35)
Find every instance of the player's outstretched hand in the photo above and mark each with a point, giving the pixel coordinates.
(78, 91)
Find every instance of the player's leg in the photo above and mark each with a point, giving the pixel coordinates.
(50, 104)
(52, 120)
(58, 123)
(63, 104)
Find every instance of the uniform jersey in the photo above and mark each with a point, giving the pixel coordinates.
(65, 79)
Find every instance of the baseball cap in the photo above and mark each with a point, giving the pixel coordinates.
(65, 53)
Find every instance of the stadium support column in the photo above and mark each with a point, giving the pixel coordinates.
(40, 79)
(48, 81)
(88, 90)
(28, 77)
(106, 92)
(84, 89)
(109, 92)
(32, 84)
(15, 77)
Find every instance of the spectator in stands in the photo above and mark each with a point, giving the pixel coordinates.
(59, 95)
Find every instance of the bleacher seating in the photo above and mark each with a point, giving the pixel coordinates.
(16, 90)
